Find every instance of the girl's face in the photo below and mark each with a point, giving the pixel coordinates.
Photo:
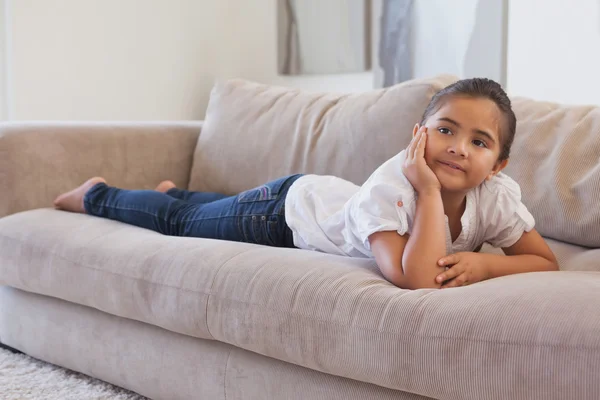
(463, 142)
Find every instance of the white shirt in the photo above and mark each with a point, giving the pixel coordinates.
(332, 215)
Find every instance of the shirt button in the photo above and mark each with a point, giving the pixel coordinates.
(254, 217)
(263, 218)
(400, 204)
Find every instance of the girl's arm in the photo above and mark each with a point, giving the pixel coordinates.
(410, 262)
(388, 247)
(529, 254)
(427, 243)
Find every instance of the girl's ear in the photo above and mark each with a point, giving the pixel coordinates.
(416, 129)
(497, 168)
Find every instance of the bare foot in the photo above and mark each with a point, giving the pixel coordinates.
(73, 200)
(164, 186)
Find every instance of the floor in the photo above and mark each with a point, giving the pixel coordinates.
(25, 378)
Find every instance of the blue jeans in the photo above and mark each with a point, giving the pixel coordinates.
(254, 216)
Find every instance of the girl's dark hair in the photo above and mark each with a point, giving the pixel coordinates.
(480, 88)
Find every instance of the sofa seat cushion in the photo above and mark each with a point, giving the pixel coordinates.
(329, 313)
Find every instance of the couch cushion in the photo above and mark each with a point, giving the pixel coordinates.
(253, 133)
(157, 363)
(556, 160)
(329, 313)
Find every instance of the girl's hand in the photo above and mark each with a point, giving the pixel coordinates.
(466, 268)
(416, 170)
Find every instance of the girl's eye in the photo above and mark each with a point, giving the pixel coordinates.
(479, 143)
(444, 131)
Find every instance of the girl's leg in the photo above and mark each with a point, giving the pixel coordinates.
(168, 187)
(145, 208)
(195, 197)
(255, 216)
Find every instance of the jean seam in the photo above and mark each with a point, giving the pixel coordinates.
(268, 234)
(171, 222)
(131, 209)
(224, 216)
(257, 200)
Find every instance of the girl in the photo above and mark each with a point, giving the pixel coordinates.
(422, 215)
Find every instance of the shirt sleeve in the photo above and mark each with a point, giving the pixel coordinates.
(374, 207)
(507, 216)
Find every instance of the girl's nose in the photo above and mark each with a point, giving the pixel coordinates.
(458, 148)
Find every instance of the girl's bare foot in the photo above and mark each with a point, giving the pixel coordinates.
(164, 186)
(73, 200)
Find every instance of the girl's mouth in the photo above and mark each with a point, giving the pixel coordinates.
(452, 166)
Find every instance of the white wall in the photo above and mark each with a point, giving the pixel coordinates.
(141, 59)
(3, 100)
(158, 59)
(554, 50)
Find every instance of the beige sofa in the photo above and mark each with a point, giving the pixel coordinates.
(186, 318)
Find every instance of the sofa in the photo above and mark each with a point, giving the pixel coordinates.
(188, 318)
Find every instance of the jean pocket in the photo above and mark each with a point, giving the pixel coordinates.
(259, 229)
(271, 232)
(261, 193)
(268, 191)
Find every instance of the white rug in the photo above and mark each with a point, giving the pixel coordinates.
(25, 378)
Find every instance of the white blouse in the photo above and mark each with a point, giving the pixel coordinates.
(332, 215)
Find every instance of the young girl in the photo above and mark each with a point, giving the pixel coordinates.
(422, 215)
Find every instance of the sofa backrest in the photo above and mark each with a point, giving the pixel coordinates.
(556, 159)
(253, 133)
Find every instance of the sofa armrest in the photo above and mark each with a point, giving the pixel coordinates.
(40, 160)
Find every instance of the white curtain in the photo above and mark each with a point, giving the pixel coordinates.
(322, 37)
(422, 38)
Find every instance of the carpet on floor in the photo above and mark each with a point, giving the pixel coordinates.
(25, 378)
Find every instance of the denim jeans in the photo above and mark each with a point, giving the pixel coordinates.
(254, 216)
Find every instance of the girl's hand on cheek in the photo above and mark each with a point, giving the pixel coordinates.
(416, 169)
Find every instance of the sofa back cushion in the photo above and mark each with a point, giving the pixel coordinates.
(556, 160)
(253, 132)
